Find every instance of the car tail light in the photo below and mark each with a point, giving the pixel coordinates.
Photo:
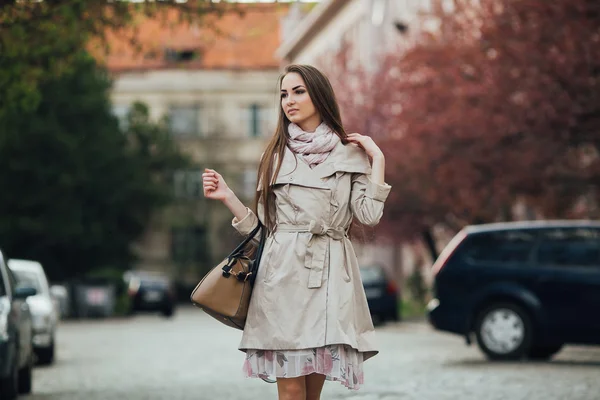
(134, 286)
(391, 288)
(447, 252)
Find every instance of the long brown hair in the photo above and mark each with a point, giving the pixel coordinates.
(321, 94)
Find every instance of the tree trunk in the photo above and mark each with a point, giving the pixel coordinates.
(429, 241)
(398, 265)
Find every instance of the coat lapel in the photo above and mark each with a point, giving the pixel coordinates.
(297, 172)
(343, 158)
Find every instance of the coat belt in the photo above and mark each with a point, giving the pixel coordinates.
(317, 249)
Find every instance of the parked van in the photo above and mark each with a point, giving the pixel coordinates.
(524, 289)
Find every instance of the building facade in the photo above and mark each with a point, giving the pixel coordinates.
(217, 86)
(371, 28)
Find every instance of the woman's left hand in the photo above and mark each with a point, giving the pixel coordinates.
(366, 143)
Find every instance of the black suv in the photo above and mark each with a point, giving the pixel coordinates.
(150, 292)
(524, 288)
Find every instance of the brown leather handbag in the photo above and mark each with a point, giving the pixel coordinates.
(224, 293)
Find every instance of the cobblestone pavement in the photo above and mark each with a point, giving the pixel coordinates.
(193, 357)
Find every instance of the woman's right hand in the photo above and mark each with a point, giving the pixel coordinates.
(214, 185)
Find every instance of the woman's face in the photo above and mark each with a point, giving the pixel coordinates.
(296, 103)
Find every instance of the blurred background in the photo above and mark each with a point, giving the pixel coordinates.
(488, 112)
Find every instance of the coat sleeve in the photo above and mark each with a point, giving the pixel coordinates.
(367, 199)
(245, 225)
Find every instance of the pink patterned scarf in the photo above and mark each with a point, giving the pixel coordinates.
(315, 146)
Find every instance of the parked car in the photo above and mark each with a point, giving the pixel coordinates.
(16, 331)
(62, 299)
(150, 292)
(382, 294)
(523, 288)
(44, 310)
(93, 297)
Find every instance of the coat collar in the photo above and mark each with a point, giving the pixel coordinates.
(343, 158)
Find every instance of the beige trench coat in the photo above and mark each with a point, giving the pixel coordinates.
(308, 292)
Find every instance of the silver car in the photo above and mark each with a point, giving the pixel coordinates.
(43, 308)
(16, 352)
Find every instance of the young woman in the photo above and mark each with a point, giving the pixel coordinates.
(308, 319)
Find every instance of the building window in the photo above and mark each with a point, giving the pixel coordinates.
(249, 183)
(188, 184)
(255, 117)
(189, 244)
(182, 55)
(184, 120)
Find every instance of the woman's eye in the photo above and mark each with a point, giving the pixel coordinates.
(283, 95)
(299, 91)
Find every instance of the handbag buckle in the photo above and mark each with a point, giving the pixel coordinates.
(242, 276)
(227, 269)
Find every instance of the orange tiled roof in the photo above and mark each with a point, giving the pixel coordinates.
(247, 41)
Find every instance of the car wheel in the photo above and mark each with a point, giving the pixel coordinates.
(25, 376)
(9, 385)
(544, 352)
(168, 312)
(504, 331)
(46, 356)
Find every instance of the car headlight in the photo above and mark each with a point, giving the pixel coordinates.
(433, 304)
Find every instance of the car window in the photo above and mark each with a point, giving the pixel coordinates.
(576, 247)
(371, 274)
(12, 281)
(507, 247)
(2, 285)
(28, 278)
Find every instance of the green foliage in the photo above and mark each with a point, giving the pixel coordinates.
(122, 305)
(412, 309)
(113, 275)
(40, 40)
(416, 286)
(76, 190)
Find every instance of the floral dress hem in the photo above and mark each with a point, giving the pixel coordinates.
(338, 362)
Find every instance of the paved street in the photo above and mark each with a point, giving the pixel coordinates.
(194, 357)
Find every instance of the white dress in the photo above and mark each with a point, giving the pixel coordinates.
(339, 363)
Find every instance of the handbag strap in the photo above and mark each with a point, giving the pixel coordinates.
(238, 252)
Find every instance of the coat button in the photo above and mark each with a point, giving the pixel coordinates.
(291, 179)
